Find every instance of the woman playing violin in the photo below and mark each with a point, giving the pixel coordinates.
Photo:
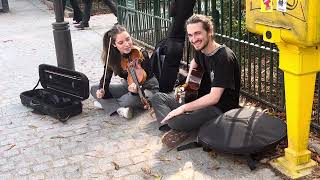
(120, 56)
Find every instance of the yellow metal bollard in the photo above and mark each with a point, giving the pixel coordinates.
(295, 28)
(300, 66)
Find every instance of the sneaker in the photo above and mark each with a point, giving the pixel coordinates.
(97, 104)
(125, 112)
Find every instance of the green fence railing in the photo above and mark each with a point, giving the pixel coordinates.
(261, 79)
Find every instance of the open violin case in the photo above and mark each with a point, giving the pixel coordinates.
(61, 95)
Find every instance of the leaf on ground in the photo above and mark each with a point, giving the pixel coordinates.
(317, 158)
(11, 146)
(163, 158)
(178, 157)
(116, 166)
(215, 167)
(9, 40)
(57, 137)
(212, 154)
(237, 161)
(147, 171)
(32, 126)
(315, 173)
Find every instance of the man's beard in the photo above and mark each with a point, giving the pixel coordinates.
(206, 44)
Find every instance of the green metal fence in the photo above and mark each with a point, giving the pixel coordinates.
(261, 79)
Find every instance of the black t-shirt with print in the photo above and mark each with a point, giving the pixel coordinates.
(220, 70)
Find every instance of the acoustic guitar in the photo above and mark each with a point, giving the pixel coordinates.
(189, 91)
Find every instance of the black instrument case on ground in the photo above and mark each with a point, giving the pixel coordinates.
(62, 93)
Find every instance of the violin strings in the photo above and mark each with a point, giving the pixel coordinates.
(106, 65)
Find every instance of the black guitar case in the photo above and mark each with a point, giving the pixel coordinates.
(241, 131)
(61, 95)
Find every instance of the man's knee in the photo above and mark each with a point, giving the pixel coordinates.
(158, 98)
(178, 124)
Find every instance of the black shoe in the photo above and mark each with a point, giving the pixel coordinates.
(82, 25)
(164, 128)
(77, 21)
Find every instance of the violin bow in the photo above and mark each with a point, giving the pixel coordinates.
(106, 64)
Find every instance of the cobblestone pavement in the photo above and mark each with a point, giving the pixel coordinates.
(91, 145)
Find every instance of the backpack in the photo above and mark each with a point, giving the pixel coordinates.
(165, 62)
(157, 58)
(242, 132)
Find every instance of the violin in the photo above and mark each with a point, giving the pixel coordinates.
(134, 60)
(136, 74)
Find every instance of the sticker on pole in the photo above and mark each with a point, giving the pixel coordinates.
(282, 5)
(266, 6)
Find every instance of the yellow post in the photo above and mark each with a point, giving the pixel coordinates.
(300, 66)
(295, 28)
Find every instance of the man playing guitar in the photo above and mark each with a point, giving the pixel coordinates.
(219, 88)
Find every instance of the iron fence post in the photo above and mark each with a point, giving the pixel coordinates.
(156, 14)
(62, 38)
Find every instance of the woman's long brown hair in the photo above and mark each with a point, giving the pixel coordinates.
(114, 56)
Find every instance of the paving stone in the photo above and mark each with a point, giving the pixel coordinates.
(40, 167)
(11, 152)
(15, 159)
(134, 177)
(24, 163)
(121, 172)
(60, 163)
(7, 167)
(37, 176)
(75, 158)
(23, 171)
(3, 161)
(106, 165)
(6, 176)
(138, 159)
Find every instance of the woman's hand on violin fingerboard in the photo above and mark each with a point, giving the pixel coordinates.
(100, 93)
(133, 88)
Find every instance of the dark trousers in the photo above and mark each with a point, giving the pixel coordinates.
(88, 6)
(164, 103)
(77, 14)
(112, 6)
(87, 11)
